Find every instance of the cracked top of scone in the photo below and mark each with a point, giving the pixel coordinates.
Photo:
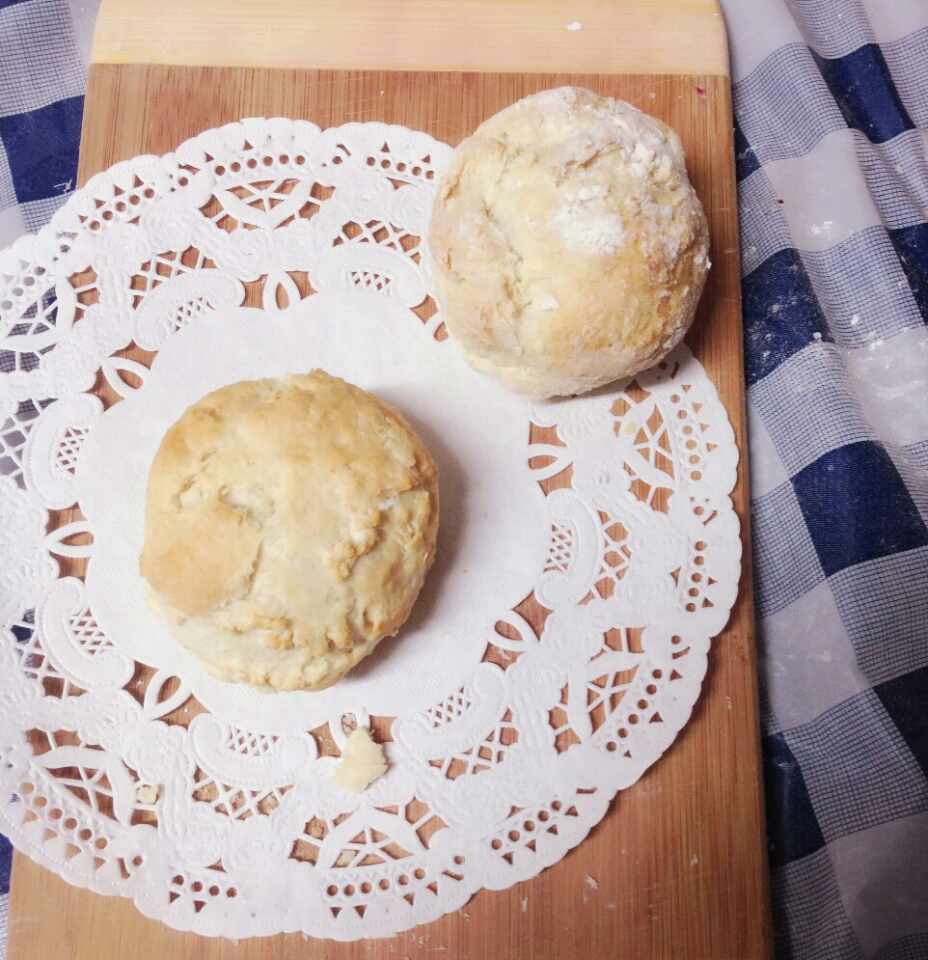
(289, 527)
(569, 248)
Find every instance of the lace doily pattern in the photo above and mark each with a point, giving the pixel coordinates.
(126, 771)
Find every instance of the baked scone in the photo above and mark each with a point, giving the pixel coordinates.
(569, 247)
(289, 527)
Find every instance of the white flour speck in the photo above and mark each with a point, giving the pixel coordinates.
(525, 904)
(817, 337)
(591, 882)
(824, 228)
(546, 302)
(574, 26)
(855, 319)
(588, 230)
(694, 860)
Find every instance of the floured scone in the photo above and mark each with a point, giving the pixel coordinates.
(570, 249)
(289, 527)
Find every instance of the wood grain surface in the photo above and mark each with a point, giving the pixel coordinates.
(508, 36)
(679, 859)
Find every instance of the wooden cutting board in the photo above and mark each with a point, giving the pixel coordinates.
(679, 859)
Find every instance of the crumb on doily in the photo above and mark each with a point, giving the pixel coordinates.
(146, 793)
(363, 761)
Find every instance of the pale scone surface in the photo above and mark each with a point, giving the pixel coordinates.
(289, 527)
(569, 246)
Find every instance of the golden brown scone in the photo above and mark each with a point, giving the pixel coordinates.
(289, 527)
(570, 249)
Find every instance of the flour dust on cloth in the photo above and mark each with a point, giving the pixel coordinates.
(831, 120)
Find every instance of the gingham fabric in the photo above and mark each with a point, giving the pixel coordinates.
(43, 56)
(831, 125)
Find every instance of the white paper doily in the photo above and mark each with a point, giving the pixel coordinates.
(272, 246)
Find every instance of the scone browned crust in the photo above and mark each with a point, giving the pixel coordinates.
(289, 527)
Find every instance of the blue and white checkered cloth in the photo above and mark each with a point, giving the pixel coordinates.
(43, 56)
(831, 105)
(831, 125)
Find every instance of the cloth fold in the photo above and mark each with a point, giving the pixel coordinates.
(831, 115)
